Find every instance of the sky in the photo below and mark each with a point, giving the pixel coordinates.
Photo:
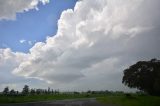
(38, 23)
(75, 44)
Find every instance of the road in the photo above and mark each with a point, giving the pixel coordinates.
(71, 102)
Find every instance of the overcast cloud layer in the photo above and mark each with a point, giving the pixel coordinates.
(9, 8)
(93, 44)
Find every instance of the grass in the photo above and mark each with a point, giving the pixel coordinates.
(118, 100)
(44, 97)
(130, 101)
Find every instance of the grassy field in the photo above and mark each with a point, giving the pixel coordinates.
(131, 101)
(44, 97)
(119, 100)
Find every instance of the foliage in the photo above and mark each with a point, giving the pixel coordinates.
(144, 75)
(25, 90)
(33, 91)
(130, 101)
(12, 92)
(6, 91)
(32, 95)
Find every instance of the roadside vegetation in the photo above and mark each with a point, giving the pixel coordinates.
(35, 95)
(106, 97)
(135, 100)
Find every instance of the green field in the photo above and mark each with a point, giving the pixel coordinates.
(44, 97)
(130, 101)
(118, 100)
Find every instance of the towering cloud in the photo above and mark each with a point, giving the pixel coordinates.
(94, 43)
(9, 8)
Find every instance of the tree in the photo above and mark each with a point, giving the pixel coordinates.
(33, 91)
(144, 75)
(25, 90)
(38, 91)
(12, 92)
(6, 90)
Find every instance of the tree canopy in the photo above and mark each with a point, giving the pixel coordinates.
(144, 75)
(6, 91)
(25, 90)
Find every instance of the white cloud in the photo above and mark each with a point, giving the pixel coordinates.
(8, 61)
(9, 8)
(22, 41)
(94, 43)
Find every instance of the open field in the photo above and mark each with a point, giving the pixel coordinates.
(130, 101)
(62, 99)
(44, 97)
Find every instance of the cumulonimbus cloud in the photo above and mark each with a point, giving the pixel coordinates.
(94, 43)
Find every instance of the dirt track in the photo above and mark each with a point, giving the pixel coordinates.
(73, 102)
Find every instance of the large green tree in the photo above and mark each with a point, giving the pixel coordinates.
(144, 75)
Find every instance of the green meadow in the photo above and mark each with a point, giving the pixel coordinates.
(108, 99)
(130, 101)
(44, 97)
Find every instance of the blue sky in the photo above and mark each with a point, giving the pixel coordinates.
(32, 26)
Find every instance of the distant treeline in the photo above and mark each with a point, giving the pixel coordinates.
(27, 91)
